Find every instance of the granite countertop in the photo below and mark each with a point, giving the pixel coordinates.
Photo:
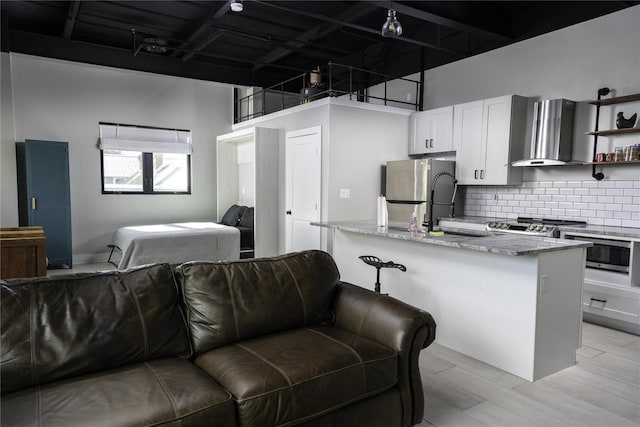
(602, 230)
(504, 244)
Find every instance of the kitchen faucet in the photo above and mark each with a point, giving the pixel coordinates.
(431, 201)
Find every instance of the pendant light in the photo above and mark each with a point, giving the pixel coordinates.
(391, 27)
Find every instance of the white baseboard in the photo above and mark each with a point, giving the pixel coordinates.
(90, 258)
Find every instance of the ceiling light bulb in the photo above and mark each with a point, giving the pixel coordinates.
(237, 6)
(391, 27)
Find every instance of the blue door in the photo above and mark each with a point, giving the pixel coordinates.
(48, 200)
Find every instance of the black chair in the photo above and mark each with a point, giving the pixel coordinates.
(379, 264)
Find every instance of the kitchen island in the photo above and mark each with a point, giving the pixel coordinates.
(511, 301)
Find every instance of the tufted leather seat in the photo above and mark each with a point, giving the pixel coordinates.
(159, 392)
(290, 376)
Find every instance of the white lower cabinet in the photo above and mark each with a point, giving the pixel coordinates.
(431, 131)
(487, 136)
(612, 302)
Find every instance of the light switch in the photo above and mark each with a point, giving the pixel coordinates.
(544, 284)
(345, 193)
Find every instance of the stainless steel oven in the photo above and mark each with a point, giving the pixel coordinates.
(607, 254)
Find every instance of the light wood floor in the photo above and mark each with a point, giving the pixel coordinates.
(601, 390)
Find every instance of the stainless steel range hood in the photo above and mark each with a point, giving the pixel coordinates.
(551, 133)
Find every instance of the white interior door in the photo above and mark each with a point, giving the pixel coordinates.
(302, 176)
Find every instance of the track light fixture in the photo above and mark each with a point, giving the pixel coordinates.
(154, 45)
(391, 27)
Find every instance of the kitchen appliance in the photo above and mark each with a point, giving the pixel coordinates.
(408, 188)
(611, 294)
(545, 227)
(607, 254)
(551, 133)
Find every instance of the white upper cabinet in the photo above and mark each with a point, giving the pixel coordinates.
(431, 131)
(488, 135)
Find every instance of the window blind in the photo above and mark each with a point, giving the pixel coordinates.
(144, 139)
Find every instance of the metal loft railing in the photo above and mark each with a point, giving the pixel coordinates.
(341, 81)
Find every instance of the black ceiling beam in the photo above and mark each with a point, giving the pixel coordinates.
(77, 51)
(114, 24)
(351, 14)
(203, 27)
(326, 52)
(354, 26)
(440, 20)
(74, 7)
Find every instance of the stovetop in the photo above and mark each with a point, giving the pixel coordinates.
(546, 227)
(550, 221)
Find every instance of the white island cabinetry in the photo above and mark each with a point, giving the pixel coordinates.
(511, 301)
(487, 136)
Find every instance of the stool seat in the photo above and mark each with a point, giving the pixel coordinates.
(379, 264)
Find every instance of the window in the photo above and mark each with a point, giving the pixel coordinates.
(140, 160)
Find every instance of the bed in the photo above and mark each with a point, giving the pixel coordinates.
(175, 243)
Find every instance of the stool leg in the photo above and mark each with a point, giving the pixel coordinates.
(377, 289)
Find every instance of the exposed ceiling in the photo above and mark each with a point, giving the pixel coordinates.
(271, 41)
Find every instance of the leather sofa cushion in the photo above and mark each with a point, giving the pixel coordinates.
(58, 327)
(229, 302)
(161, 392)
(296, 375)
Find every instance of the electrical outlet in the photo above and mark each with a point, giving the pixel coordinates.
(345, 193)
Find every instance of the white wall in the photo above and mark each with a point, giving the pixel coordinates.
(8, 179)
(61, 100)
(355, 143)
(360, 142)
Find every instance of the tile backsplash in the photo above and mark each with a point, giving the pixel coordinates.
(613, 203)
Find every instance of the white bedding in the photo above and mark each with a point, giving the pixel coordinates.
(176, 243)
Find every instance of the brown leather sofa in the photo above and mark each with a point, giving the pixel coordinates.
(265, 342)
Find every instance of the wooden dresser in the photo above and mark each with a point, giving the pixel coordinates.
(24, 252)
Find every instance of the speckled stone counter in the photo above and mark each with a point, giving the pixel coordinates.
(503, 244)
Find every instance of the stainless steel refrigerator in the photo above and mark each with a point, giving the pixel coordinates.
(409, 186)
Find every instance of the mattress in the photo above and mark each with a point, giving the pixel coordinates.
(176, 243)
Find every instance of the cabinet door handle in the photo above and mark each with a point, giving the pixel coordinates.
(475, 174)
(596, 300)
(426, 143)
(33, 203)
(481, 173)
(431, 142)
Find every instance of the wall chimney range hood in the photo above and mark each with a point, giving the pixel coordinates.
(551, 133)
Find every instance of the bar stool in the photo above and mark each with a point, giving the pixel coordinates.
(379, 264)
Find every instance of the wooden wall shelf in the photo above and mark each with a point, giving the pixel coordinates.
(616, 100)
(609, 132)
(625, 162)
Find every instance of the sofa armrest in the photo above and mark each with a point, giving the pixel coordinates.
(397, 325)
